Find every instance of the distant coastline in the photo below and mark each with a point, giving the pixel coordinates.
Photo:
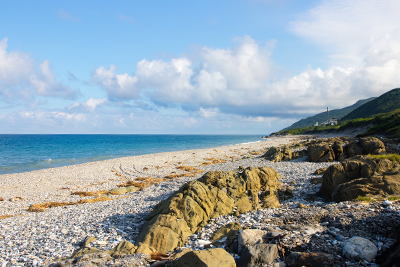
(25, 152)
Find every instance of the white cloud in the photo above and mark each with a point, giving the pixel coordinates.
(20, 77)
(91, 104)
(208, 113)
(352, 31)
(120, 86)
(362, 39)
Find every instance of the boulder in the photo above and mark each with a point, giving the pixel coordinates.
(372, 145)
(250, 237)
(216, 193)
(258, 254)
(216, 257)
(383, 185)
(321, 152)
(351, 169)
(277, 154)
(359, 248)
(364, 146)
(299, 259)
(338, 150)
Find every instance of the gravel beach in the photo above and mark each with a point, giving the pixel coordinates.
(34, 239)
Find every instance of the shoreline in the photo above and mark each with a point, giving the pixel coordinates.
(56, 184)
(128, 150)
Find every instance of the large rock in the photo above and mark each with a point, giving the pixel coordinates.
(360, 249)
(364, 146)
(299, 259)
(277, 154)
(258, 254)
(250, 237)
(216, 257)
(351, 169)
(383, 185)
(322, 152)
(216, 193)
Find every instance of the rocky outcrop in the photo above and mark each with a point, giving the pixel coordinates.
(328, 150)
(216, 193)
(360, 176)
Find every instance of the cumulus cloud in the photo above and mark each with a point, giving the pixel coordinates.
(118, 86)
(20, 77)
(362, 39)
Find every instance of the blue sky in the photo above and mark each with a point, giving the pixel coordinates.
(207, 67)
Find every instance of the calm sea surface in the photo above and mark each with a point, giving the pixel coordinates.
(22, 153)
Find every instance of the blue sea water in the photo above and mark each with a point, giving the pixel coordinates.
(23, 153)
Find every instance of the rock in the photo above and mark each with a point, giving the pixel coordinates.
(391, 257)
(250, 237)
(216, 193)
(299, 259)
(372, 145)
(299, 154)
(351, 169)
(230, 232)
(277, 154)
(320, 171)
(387, 203)
(258, 254)
(123, 248)
(381, 185)
(338, 150)
(360, 249)
(321, 152)
(316, 180)
(216, 257)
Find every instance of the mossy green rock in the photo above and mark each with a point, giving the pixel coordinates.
(216, 193)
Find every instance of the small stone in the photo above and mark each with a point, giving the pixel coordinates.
(387, 203)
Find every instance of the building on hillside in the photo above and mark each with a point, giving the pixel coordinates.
(333, 121)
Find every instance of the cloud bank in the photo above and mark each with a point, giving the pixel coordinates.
(361, 39)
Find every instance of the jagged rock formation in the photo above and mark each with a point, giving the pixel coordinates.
(360, 176)
(216, 193)
(327, 150)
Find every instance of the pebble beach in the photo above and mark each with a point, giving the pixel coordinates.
(37, 238)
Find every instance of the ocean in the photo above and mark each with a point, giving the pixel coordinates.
(25, 152)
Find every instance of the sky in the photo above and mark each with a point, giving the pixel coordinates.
(190, 67)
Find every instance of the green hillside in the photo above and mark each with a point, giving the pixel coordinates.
(387, 102)
(387, 124)
(321, 117)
